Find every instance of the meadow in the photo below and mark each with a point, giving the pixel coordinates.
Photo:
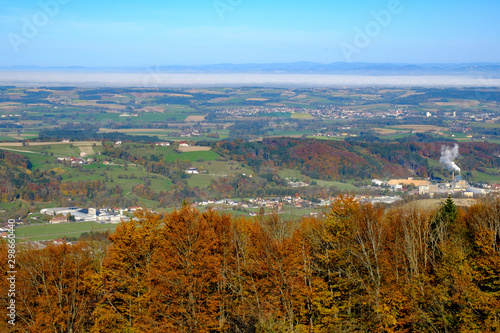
(291, 173)
(54, 231)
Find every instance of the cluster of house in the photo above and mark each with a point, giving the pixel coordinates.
(325, 112)
(77, 214)
(188, 133)
(278, 203)
(373, 199)
(476, 116)
(10, 115)
(334, 135)
(250, 111)
(40, 245)
(295, 201)
(335, 113)
(75, 161)
(228, 202)
(192, 171)
(293, 182)
(272, 203)
(5, 227)
(425, 187)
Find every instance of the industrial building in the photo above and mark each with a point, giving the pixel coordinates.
(103, 215)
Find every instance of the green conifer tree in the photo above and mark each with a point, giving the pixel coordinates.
(449, 211)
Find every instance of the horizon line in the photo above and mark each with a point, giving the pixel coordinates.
(259, 64)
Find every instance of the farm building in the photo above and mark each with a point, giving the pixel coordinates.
(408, 181)
(192, 171)
(59, 219)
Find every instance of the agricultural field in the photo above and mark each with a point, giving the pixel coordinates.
(431, 204)
(388, 131)
(291, 173)
(195, 119)
(64, 230)
(34, 123)
(301, 116)
(117, 174)
(215, 169)
(57, 149)
(125, 175)
(191, 156)
(187, 149)
(411, 129)
(171, 110)
(423, 128)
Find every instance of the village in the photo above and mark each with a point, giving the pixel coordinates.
(280, 204)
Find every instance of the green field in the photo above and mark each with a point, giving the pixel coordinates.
(11, 205)
(484, 177)
(215, 169)
(125, 177)
(335, 138)
(54, 231)
(302, 116)
(7, 138)
(280, 133)
(275, 114)
(222, 168)
(115, 175)
(144, 117)
(55, 149)
(201, 181)
(191, 156)
(36, 159)
(433, 163)
(485, 125)
(324, 183)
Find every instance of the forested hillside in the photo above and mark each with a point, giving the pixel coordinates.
(235, 169)
(18, 180)
(339, 160)
(359, 269)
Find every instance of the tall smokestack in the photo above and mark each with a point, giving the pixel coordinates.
(453, 176)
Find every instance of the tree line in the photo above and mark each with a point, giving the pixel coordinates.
(20, 181)
(357, 160)
(360, 268)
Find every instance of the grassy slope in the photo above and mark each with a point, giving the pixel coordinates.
(215, 170)
(192, 156)
(54, 231)
(296, 174)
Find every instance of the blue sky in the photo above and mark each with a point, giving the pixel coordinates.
(150, 33)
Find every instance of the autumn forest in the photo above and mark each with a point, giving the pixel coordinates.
(360, 268)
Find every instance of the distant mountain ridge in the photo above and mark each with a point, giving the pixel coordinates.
(302, 67)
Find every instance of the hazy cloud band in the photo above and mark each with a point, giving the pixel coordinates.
(103, 79)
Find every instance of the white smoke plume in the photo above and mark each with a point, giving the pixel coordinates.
(448, 155)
